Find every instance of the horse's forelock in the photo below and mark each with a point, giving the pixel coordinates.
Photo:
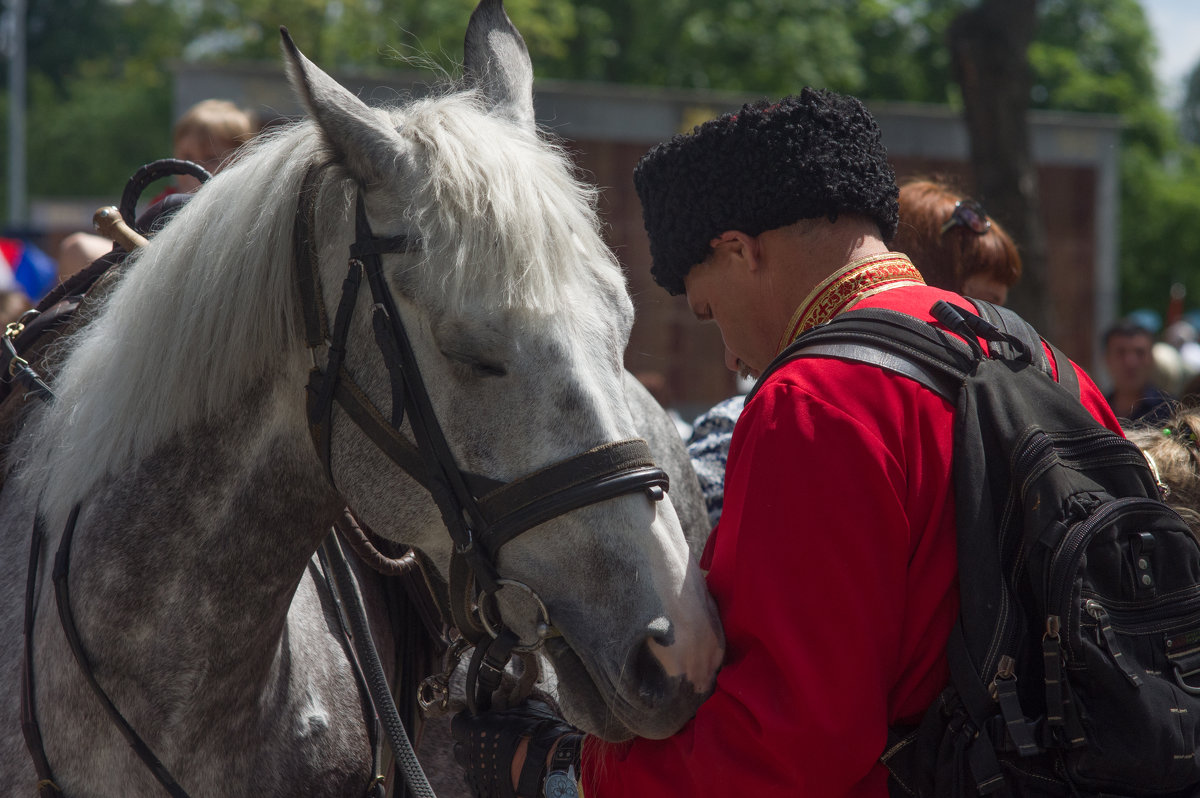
(500, 209)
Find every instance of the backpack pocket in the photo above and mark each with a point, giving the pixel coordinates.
(1130, 649)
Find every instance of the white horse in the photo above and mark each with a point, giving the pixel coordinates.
(179, 455)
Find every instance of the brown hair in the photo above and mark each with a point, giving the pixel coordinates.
(1172, 450)
(947, 259)
(219, 121)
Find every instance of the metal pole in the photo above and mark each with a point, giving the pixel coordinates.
(17, 201)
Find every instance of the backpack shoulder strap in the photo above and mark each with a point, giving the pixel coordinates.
(890, 340)
(1014, 325)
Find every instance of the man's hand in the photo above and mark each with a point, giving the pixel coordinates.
(506, 753)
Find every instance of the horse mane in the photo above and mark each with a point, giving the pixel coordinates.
(209, 310)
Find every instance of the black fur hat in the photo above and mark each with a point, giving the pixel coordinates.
(766, 166)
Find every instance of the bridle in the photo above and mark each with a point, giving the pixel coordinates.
(481, 514)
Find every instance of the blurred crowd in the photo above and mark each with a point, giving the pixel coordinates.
(1153, 366)
(208, 134)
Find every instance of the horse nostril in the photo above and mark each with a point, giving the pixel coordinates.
(653, 684)
(661, 631)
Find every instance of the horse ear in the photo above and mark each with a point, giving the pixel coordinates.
(356, 133)
(496, 61)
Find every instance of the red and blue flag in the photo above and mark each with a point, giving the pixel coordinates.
(25, 268)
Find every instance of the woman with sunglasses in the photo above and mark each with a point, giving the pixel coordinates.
(954, 243)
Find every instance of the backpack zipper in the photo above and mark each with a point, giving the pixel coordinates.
(1035, 460)
(1150, 616)
(1032, 458)
(1106, 638)
(1065, 560)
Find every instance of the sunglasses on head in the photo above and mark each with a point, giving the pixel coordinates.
(971, 215)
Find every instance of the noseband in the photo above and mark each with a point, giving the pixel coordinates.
(481, 514)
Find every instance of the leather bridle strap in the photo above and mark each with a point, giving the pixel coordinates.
(308, 275)
(604, 472)
(29, 723)
(62, 567)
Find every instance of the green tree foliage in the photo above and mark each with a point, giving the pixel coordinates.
(883, 49)
(100, 103)
(365, 33)
(94, 131)
(1160, 237)
(1098, 56)
(99, 95)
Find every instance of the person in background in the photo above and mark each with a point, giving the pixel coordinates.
(208, 134)
(954, 243)
(1128, 356)
(708, 449)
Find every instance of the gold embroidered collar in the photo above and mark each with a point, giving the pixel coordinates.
(857, 280)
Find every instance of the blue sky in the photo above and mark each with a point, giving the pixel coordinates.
(1176, 25)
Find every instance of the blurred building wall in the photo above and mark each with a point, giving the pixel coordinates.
(608, 128)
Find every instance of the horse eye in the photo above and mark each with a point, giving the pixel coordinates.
(479, 367)
(488, 369)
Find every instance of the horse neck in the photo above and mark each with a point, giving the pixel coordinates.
(213, 530)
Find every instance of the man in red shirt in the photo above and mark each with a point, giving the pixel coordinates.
(834, 563)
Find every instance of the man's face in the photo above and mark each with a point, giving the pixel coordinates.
(1129, 361)
(719, 291)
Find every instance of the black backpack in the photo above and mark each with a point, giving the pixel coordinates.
(1075, 661)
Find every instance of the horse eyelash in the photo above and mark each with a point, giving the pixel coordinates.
(480, 367)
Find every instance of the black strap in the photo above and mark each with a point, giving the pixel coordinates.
(143, 177)
(486, 669)
(308, 275)
(29, 722)
(382, 327)
(939, 361)
(984, 765)
(385, 245)
(62, 567)
(322, 384)
(606, 471)
(399, 449)
(1014, 325)
(941, 384)
(371, 715)
(17, 370)
(919, 351)
(376, 679)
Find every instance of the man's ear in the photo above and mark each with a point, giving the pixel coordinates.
(739, 245)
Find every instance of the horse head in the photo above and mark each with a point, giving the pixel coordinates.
(494, 279)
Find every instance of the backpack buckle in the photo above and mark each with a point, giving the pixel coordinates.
(1186, 662)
